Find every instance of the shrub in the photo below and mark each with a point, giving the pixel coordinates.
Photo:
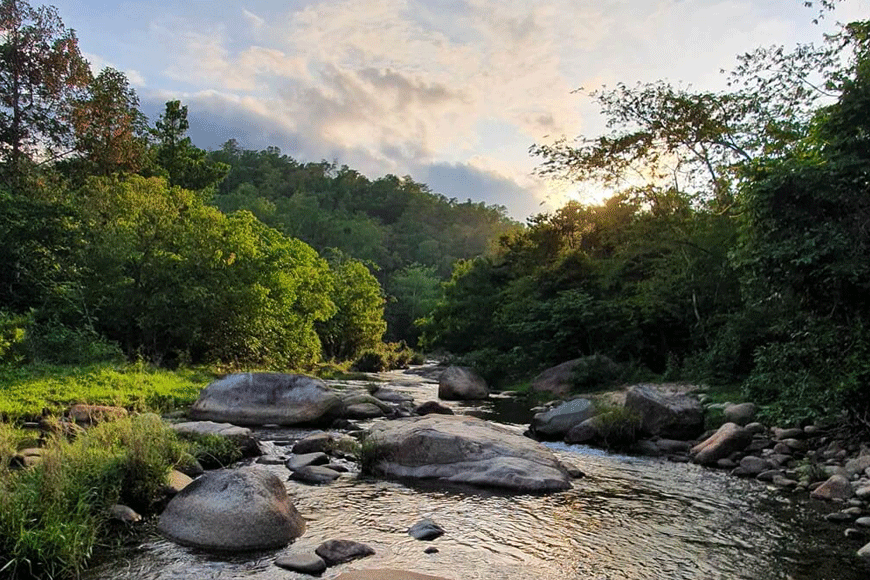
(213, 451)
(595, 372)
(370, 453)
(51, 342)
(370, 361)
(618, 427)
(13, 348)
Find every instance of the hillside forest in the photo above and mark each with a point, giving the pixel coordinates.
(733, 248)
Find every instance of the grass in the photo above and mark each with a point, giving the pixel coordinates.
(26, 390)
(53, 516)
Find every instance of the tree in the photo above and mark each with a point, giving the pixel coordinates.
(110, 130)
(187, 166)
(42, 72)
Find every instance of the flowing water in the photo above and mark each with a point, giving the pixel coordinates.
(628, 519)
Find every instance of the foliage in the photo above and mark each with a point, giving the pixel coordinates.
(12, 338)
(617, 427)
(213, 451)
(595, 372)
(386, 357)
(370, 453)
(185, 165)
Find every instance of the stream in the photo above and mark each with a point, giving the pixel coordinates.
(630, 518)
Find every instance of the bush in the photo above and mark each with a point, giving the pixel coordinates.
(370, 361)
(595, 372)
(618, 427)
(370, 453)
(387, 357)
(213, 451)
(54, 343)
(13, 329)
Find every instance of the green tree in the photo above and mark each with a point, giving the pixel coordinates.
(187, 166)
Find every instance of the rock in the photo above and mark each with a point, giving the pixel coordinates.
(314, 443)
(431, 550)
(666, 415)
(176, 481)
(673, 446)
(863, 522)
(557, 422)
(362, 411)
(315, 474)
(836, 487)
(794, 444)
(306, 460)
(232, 510)
(340, 551)
(646, 447)
(750, 466)
(862, 553)
(758, 444)
(366, 399)
(729, 438)
(863, 492)
(272, 460)
(584, 432)
(90, 414)
(433, 407)
(768, 475)
(385, 575)
(740, 414)
(124, 514)
(425, 530)
(756, 428)
(263, 398)
(461, 383)
(784, 482)
(726, 463)
(391, 396)
(782, 449)
(242, 435)
(857, 465)
(302, 562)
(28, 457)
(780, 434)
(559, 380)
(465, 449)
(839, 517)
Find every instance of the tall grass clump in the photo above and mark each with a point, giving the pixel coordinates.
(53, 515)
(618, 427)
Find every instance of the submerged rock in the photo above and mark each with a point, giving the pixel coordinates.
(265, 398)
(465, 449)
(232, 510)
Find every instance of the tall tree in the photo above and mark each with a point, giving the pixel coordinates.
(187, 166)
(110, 130)
(41, 73)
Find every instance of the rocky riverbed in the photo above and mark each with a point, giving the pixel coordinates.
(628, 518)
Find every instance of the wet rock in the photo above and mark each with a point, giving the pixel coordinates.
(751, 466)
(667, 415)
(853, 533)
(124, 514)
(782, 449)
(864, 522)
(314, 443)
(425, 530)
(768, 475)
(385, 575)
(336, 552)
(584, 432)
(263, 398)
(461, 383)
(303, 563)
(558, 421)
(363, 411)
(391, 396)
(795, 444)
(307, 459)
(232, 510)
(465, 449)
(836, 487)
(729, 438)
(433, 407)
(91, 414)
(431, 550)
(673, 446)
(314, 474)
(863, 492)
(741, 414)
(758, 444)
(864, 553)
(839, 517)
(272, 460)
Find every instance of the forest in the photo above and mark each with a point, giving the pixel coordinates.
(732, 249)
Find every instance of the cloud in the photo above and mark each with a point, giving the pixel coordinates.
(98, 63)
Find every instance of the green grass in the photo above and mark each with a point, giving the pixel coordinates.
(26, 390)
(53, 516)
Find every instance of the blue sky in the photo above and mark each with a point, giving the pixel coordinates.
(451, 92)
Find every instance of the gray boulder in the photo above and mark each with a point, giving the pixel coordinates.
(433, 407)
(461, 383)
(588, 430)
(863, 553)
(729, 438)
(751, 466)
(836, 487)
(302, 562)
(857, 465)
(232, 510)
(741, 414)
(314, 474)
(298, 461)
(560, 379)
(465, 449)
(265, 398)
(556, 422)
(672, 416)
(425, 530)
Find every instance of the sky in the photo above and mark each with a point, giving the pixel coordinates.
(450, 92)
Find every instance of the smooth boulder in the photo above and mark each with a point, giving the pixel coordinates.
(836, 487)
(742, 413)
(336, 552)
(465, 449)
(265, 398)
(556, 422)
(460, 384)
(729, 438)
(672, 416)
(232, 510)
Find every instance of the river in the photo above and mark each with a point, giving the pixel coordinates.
(630, 518)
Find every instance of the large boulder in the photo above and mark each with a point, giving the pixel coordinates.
(232, 510)
(836, 487)
(265, 398)
(668, 415)
(742, 413)
(729, 438)
(465, 449)
(461, 383)
(555, 423)
(561, 379)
